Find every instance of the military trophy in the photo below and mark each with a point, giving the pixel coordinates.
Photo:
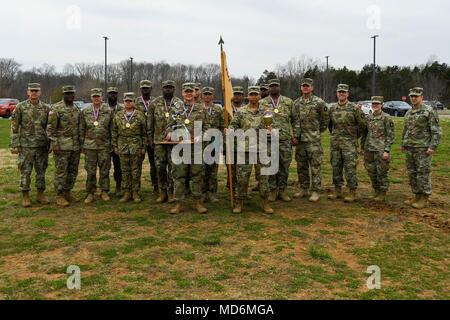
(268, 121)
(175, 115)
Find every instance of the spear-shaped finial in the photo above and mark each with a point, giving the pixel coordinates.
(221, 42)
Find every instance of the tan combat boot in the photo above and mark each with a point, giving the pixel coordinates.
(170, 198)
(90, 198)
(212, 197)
(69, 197)
(376, 193)
(26, 199)
(381, 196)
(301, 194)
(156, 191)
(413, 200)
(265, 205)
(61, 201)
(273, 195)
(422, 202)
(199, 207)
(283, 196)
(118, 191)
(126, 197)
(162, 196)
(351, 196)
(105, 197)
(238, 207)
(41, 198)
(314, 197)
(337, 194)
(178, 208)
(136, 197)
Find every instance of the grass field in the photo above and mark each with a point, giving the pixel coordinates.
(303, 251)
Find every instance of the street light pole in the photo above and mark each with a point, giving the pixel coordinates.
(106, 64)
(325, 95)
(130, 84)
(374, 64)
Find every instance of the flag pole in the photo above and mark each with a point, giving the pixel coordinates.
(230, 179)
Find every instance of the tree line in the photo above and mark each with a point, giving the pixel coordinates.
(393, 82)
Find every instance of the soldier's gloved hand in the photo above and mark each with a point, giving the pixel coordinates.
(15, 150)
(294, 141)
(168, 137)
(430, 151)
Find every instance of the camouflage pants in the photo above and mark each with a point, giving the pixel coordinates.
(131, 165)
(66, 169)
(102, 159)
(243, 174)
(151, 159)
(29, 157)
(344, 159)
(418, 164)
(377, 169)
(210, 181)
(233, 169)
(117, 170)
(164, 166)
(180, 173)
(278, 182)
(309, 155)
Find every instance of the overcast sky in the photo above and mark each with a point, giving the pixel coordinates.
(258, 35)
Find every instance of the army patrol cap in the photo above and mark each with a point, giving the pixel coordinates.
(168, 83)
(112, 89)
(274, 82)
(342, 87)
(307, 81)
(34, 86)
(254, 89)
(128, 96)
(264, 86)
(145, 84)
(416, 92)
(208, 90)
(238, 89)
(96, 92)
(377, 99)
(68, 89)
(188, 86)
(197, 85)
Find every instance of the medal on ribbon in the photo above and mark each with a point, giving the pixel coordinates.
(167, 108)
(128, 125)
(95, 115)
(186, 114)
(234, 108)
(276, 105)
(146, 106)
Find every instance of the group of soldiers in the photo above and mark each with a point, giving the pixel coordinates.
(144, 125)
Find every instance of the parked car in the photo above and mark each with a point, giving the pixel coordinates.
(7, 106)
(396, 108)
(436, 105)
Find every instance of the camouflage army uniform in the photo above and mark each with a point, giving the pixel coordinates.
(28, 124)
(217, 121)
(421, 131)
(236, 108)
(118, 108)
(157, 124)
(139, 105)
(377, 140)
(129, 141)
(63, 130)
(347, 123)
(314, 119)
(283, 120)
(96, 142)
(181, 171)
(246, 119)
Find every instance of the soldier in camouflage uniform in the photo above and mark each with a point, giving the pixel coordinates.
(63, 130)
(313, 114)
(116, 107)
(420, 138)
(376, 147)
(198, 93)
(347, 124)
(95, 133)
(29, 141)
(282, 108)
(250, 117)
(217, 121)
(183, 117)
(129, 140)
(157, 123)
(143, 104)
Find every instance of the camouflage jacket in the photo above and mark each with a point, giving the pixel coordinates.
(347, 124)
(379, 135)
(139, 105)
(235, 109)
(63, 128)
(246, 119)
(96, 137)
(157, 118)
(216, 116)
(284, 119)
(28, 124)
(117, 108)
(313, 116)
(422, 128)
(180, 112)
(129, 140)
